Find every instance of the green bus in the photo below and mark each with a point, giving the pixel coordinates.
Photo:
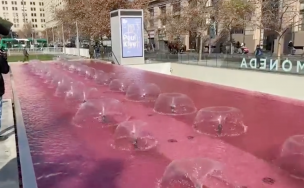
(6, 43)
(38, 42)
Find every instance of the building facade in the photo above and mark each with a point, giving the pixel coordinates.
(50, 7)
(250, 35)
(20, 12)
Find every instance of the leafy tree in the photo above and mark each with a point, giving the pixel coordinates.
(93, 16)
(234, 14)
(26, 31)
(278, 17)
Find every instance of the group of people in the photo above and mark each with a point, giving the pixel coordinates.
(241, 48)
(96, 51)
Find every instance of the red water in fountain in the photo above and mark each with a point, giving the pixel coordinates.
(68, 156)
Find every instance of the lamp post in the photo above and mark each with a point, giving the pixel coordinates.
(33, 38)
(63, 47)
(53, 36)
(47, 36)
(77, 39)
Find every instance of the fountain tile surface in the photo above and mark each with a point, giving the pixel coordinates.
(9, 177)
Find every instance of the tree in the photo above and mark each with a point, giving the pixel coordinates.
(26, 31)
(199, 16)
(278, 17)
(93, 16)
(195, 16)
(235, 14)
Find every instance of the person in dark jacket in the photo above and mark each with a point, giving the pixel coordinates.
(91, 52)
(25, 55)
(258, 54)
(291, 48)
(4, 69)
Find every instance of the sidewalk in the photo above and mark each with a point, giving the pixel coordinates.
(8, 150)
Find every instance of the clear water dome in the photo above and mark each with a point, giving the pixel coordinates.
(65, 64)
(147, 92)
(82, 69)
(90, 73)
(76, 93)
(219, 121)
(55, 80)
(92, 93)
(189, 173)
(133, 135)
(103, 78)
(49, 76)
(64, 85)
(72, 67)
(292, 156)
(118, 85)
(98, 74)
(104, 112)
(43, 69)
(174, 104)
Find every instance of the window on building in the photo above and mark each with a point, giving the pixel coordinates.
(193, 3)
(176, 7)
(163, 10)
(151, 12)
(23, 3)
(151, 22)
(4, 2)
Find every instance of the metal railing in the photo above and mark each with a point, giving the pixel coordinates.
(26, 163)
(113, 55)
(234, 61)
(47, 50)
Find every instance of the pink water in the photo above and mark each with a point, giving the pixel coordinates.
(68, 156)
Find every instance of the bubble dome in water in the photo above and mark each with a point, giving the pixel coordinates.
(72, 67)
(42, 70)
(76, 93)
(219, 121)
(55, 80)
(98, 73)
(65, 64)
(90, 73)
(118, 85)
(174, 104)
(189, 173)
(133, 135)
(64, 85)
(81, 70)
(102, 78)
(50, 75)
(104, 112)
(292, 156)
(92, 93)
(143, 92)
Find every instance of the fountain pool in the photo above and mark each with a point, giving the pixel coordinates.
(65, 155)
